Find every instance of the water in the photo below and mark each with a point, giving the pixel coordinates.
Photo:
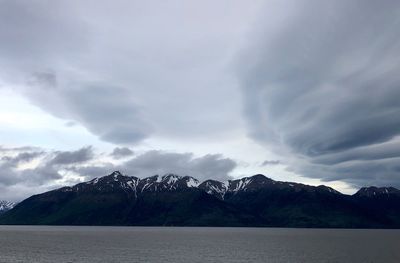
(169, 244)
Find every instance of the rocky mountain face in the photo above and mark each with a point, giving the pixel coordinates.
(171, 200)
(5, 206)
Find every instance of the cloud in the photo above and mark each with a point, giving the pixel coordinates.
(121, 152)
(4, 149)
(70, 124)
(72, 157)
(11, 160)
(104, 109)
(125, 70)
(46, 168)
(211, 166)
(319, 81)
(38, 176)
(21, 158)
(91, 171)
(270, 162)
(321, 87)
(49, 169)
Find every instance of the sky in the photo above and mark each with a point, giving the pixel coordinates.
(298, 90)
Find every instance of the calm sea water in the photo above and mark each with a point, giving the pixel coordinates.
(169, 244)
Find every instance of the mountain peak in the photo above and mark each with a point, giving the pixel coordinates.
(327, 188)
(373, 191)
(116, 174)
(261, 177)
(6, 205)
(191, 181)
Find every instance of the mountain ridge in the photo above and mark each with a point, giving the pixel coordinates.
(171, 199)
(171, 181)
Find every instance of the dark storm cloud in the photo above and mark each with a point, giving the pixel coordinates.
(121, 152)
(381, 151)
(321, 87)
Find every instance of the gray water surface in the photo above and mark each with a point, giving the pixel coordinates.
(187, 244)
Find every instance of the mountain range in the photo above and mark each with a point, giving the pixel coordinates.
(173, 200)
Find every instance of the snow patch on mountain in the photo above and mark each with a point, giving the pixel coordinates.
(6, 205)
(191, 182)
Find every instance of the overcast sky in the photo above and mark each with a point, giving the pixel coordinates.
(304, 91)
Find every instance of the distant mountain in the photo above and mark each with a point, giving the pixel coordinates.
(173, 200)
(5, 206)
(378, 192)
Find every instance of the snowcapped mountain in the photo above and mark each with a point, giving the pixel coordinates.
(116, 180)
(5, 206)
(172, 182)
(171, 199)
